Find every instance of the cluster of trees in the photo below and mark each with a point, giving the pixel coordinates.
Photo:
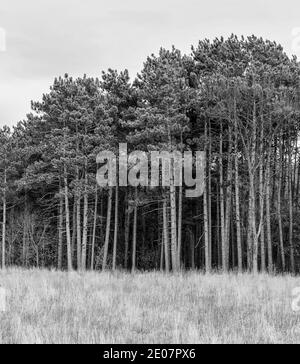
(235, 99)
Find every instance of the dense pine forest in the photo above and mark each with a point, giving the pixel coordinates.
(237, 99)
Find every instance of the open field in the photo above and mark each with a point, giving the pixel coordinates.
(54, 307)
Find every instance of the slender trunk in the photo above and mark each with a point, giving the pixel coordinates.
(295, 170)
(11, 238)
(25, 233)
(161, 239)
(107, 234)
(134, 232)
(218, 245)
(78, 227)
(222, 201)
(279, 208)
(237, 193)
(116, 227)
(67, 211)
(252, 221)
(290, 173)
(85, 218)
(173, 221)
(60, 228)
(249, 237)
(252, 212)
(78, 206)
(238, 220)
(262, 199)
(228, 202)
(205, 209)
(179, 237)
(94, 229)
(4, 221)
(143, 232)
(37, 258)
(127, 231)
(268, 213)
(206, 228)
(192, 242)
(209, 196)
(179, 227)
(73, 229)
(166, 236)
(101, 219)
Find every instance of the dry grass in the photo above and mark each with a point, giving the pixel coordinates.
(54, 307)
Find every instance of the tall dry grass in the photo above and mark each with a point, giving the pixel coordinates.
(151, 308)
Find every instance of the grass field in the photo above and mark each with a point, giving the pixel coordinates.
(151, 308)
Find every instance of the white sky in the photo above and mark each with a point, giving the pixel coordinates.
(47, 38)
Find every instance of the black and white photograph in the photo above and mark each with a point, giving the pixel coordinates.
(149, 175)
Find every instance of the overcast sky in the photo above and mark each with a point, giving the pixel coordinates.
(45, 39)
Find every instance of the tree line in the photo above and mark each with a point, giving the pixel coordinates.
(236, 99)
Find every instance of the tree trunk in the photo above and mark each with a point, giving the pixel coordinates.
(127, 231)
(161, 239)
(25, 233)
(237, 193)
(279, 207)
(67, 210)
(4, 221)
(252, 197)
(78, 206)
(85, 219)
(205, 209)
(116, 228)
(228, 202)
(173, 221)
(94, 229)
(166, 236)
(107, 234)
(222, 201)
(206, 228)
(252, 216)
(73, 228)
(134, 231)
(290, 193)
(268, 213)
(209, 198)
(179, 237)
(78, 227)
(261, 198)
(60, 229)
(192, 249)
